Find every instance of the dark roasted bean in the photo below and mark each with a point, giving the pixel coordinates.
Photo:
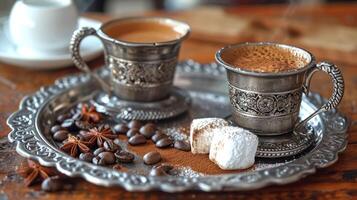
(147, 131)
(84, 124)
(60, 118)
(70, 125)
(81, 137)
(131, 132)
(74, 112)
(98, 151)
(137, 140)
(108, 157)
(120, 129)
(105, 126)
(134, 124)
(158, 136)
(98, 161)
(77, 116)
(164, 142)
(117, 141)
(124, 156)
(157, 172)
(55, 128)
(182, 145)
(52, 184)
(152, 158)
(152, 125)
(109, 145)
(86, 157)
(166, 167)
(60, 135)
(117, 167)
(83, 132)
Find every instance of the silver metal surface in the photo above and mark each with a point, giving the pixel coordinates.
(269, 103)
(139, 71)
(177, 103)
(206, 86)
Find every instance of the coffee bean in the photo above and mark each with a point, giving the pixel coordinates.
(137, 140)
(52, 184)
(81, 137)
(134, 124)
(86, 157)
(77, 115)
(60, 118)
(109, 145)
(157, 172)
(158, 136)
(117, 141)
(108, 157)
(131, 132)
(98, 161)
(55, 128)
(117, 167)
(183, 146)
(147, 131)
(84, 125)
(98, 151)
(124, 156)
(105, 126)
(83, 132)
(60, 135)
(70, 125)
(152, 125)
(152, 158)
(120, 129)
(166, 167)
(74, 112)
(164, 142)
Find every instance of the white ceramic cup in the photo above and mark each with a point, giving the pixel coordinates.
(43, 25)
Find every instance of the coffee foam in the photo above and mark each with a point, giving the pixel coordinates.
(141, 31)
(265, 58)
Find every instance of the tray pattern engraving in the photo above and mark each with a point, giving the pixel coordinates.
(258, 104)
(150, 73)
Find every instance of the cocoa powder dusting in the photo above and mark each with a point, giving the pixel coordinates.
(197, 162)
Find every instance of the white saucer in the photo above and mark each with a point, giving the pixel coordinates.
(91, 47)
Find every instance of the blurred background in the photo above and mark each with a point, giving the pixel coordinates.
(134, 7)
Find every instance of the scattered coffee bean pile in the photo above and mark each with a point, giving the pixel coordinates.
(85, 134)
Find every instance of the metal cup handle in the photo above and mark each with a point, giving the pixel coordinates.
(78, 61)
(338, 90)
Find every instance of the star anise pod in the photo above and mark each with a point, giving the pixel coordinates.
(34, 173)
(99, 135)
(73, 146)
(90, 114)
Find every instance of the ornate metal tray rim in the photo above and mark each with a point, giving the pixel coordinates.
(30, 144)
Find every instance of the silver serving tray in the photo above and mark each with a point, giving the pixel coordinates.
(207, 88)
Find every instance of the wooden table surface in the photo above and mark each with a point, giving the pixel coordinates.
(212, 29)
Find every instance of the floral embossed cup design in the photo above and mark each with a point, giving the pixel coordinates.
(268, 102)
(141, 53)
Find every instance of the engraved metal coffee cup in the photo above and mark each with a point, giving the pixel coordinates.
(269, 103)
(138, 71)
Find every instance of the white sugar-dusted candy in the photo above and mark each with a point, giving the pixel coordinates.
(201, 133)
(233, 148)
